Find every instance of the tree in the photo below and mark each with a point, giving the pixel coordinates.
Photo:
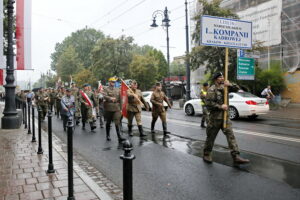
(111, 57)
(143, 69)
(177, 69)
(68, 64)
(162, 70)
(85, 76)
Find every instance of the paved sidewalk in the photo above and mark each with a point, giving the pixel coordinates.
(23, 172)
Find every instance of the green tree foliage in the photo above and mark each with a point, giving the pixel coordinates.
(83, 41)
(111, 57)
(85, 76)
(212, 57)
(143, 69)
(161, 62)
(68, 64)
(177, 69)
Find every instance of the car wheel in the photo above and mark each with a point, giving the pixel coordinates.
(252, 116)
(189, 110)
(149, 107)
(233, 113)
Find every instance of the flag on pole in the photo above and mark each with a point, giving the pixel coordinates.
(23, 34)
(100, 86)
(2, 78)
(124, 97)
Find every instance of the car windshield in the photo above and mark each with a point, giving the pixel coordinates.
(246, 94)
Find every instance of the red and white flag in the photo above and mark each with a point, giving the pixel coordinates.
(124, 97)
(100, 87)
(23, 34)
(2, 76)
(86, 98)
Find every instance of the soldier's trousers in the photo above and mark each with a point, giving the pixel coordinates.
(87, 114)
(44, 109)
(137, 115)
(58, 107)
(204, 114)
(212, 129)
(161, 115)
(112, 116)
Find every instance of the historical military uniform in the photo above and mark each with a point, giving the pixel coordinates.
(214, 102)
(52, 99)
(203, 94)
(75, 93)
(158, 109)
(87, 110)
(112, 108)
(42, 100)
(100, 100)
(134, 109)
(59, 96)
(67, 108)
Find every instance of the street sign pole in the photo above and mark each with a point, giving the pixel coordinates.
(225, 88)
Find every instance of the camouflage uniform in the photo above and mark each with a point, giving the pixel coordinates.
(59, 96)
(214, 101)
(158, 109)
(75, 93)
(134, 109)
(42, 100)
(52, 99)
(112, 110)
(87, 111)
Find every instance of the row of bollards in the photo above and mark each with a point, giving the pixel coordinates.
(127, 157)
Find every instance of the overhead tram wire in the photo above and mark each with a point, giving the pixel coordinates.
(123, 13)
(109, 12)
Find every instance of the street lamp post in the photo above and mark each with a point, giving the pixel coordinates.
(165, 23)
(10, 118)
(187, 60)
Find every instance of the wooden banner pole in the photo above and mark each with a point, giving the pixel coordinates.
(225, 89)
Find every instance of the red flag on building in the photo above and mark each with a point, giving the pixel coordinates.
(124, 89)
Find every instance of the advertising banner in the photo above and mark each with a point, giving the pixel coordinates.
(223, 32)
(266, 19)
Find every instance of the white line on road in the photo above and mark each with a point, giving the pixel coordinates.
(285, 138)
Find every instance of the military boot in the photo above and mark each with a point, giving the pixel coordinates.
(83, 125)
(207, 158)
(120, 138)
(239, 160)
(142, 134)
(164, 124)
(203, 124)
(152, 127)
(130, 130)
(107, 132)
(93, 126)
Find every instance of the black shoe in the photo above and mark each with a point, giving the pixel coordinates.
(83, 126)
(152, 127)
(120, 138)
(202, 125)
(164, 124)
(142, 134)
(130, 130)
(65, 129)
(107, 132)
(207, 158)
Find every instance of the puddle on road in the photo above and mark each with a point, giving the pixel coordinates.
(273, 168)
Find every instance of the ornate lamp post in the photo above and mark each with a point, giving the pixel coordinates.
(165, 23)
(10, 120)
(187, 61)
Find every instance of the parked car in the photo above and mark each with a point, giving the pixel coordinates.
(147, 96)
(241, 104)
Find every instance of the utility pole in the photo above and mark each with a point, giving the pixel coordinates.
(187, 60)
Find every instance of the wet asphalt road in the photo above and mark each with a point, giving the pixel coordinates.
(172, 168)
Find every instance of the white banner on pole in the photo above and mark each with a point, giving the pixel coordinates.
(224, 32)
(266, 19)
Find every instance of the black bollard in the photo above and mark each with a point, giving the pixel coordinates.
(50, 165)
(70, 159)
(40, 150)
(29, 130)
(33, 126)
(23, 111)
(25, 115)
(127, 170)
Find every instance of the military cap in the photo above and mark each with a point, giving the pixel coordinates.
(205, 84)
(217, 75)
(86, 85)
(112, 79)
(68, 90)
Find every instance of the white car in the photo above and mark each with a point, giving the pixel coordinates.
(241, 104)
(147, 96)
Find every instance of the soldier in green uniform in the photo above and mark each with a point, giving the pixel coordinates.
(75, 93)
(134, 109)
(112, 108)
(158, 109)
(52, 99)
(59, 95)
(86, 109)
(216, 107)
(42, 100)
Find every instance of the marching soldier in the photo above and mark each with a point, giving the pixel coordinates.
(52, 99)
(216, 107)
(203, 94)
(88, 102)
(75, 93)
(42, 100)
(134, 109)
(101, 108)
(158, 110)
(59, 96)
(112, 108)
(67, 107)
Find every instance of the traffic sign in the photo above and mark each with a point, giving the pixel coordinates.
(245, 68)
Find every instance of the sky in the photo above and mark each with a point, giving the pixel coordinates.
(53, 20)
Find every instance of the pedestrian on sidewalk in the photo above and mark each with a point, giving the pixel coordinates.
(216, 107)
(203, 94)
(267, 93)
(158, 110)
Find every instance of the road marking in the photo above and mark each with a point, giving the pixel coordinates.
(245, 132)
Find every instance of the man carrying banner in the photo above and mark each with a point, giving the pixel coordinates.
(134, 109)
(112, 108)
(157, 99)
(87, 101)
